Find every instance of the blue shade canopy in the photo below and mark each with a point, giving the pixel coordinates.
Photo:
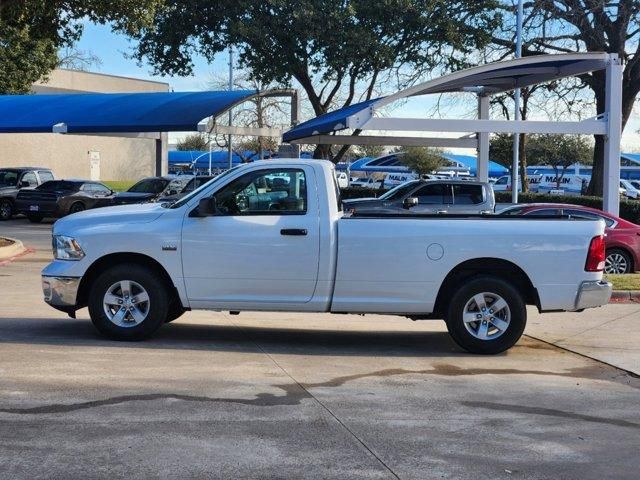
(488, 79)
(632, 158)
(328, 122)
(471, 162)
(115, 112)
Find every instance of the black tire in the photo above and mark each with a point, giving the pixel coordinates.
(76, 207)
(157, 304)
(494, 342)
(6, 209)
(617, 257)
(175, 311)
(34, 218)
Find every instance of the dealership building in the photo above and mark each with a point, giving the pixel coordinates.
(90, 156)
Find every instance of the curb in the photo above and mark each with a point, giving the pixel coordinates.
(13, 250)
(625, 296)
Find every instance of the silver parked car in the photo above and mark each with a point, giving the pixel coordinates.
(430, 197)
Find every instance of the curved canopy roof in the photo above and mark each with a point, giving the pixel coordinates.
(114, 112)
(488, 79)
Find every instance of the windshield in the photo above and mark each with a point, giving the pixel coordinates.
(178, 184)
(8, 178)
(512, 211)
(197, 191)
(399, 191)
(149, 185)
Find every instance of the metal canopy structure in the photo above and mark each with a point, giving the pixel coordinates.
(484, 81)
(143, 115)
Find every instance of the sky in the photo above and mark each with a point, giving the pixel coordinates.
(112, 50)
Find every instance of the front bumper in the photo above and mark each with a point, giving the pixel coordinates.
(593, 294)
(61, 292)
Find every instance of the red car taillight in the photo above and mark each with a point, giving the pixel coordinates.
(596, 255)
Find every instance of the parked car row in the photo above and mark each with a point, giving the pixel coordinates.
(12, 180)
(35, 193)
(568, 184)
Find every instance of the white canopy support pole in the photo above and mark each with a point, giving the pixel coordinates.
(482, 169)
(613, 106)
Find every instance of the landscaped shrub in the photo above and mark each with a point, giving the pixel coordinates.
(629, 209)
(351, 193)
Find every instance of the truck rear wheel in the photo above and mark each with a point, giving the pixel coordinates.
(128, 302)
(486, 315)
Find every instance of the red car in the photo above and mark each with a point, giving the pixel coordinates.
(622, 238)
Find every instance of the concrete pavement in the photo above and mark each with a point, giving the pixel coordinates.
(303, 396)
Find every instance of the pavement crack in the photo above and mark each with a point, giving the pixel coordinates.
(296, 391)
(551, 412)
(261, 400)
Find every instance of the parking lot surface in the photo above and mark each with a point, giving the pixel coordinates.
(298, 396)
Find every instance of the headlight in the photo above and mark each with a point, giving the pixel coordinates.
(66, 248)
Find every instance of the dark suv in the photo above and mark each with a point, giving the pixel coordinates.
(14, 179)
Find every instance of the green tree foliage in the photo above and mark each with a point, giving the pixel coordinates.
(33, 31)
(194, 141)
(559, 151)
(369, 150)
(501, 149)
(423, 160)
(567, 26)
(338, 51)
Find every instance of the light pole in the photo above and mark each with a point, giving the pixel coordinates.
(230, 111)
(516, 100)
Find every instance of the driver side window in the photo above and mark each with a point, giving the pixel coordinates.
(265, 192)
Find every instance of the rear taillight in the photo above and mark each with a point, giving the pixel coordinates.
(596, 255)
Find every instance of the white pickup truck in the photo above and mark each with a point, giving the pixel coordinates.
(272, 236)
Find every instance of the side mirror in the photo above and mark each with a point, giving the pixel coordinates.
(173, 192)
(410, 202)
(207, 207)
(24, 184)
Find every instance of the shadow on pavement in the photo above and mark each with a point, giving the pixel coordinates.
(295, 341)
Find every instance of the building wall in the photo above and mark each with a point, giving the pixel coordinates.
(68, 155)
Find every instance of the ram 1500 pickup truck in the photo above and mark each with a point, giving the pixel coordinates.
(272, 236)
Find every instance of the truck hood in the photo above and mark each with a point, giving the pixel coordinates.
(103, 217)
(132, 197)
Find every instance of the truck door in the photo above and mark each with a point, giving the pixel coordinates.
(433, 198)
(262, 246)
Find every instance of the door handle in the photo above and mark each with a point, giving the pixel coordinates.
(440, 212)
(299, 232)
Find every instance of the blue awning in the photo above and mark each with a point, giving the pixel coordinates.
(491, 78)
(114, 112)
(327, 123)
(631, 157)
(471, 161)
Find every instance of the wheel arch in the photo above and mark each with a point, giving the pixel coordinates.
(497, 267)
(113, 259)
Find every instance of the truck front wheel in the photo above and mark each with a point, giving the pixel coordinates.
(486, 315)
(128, 302)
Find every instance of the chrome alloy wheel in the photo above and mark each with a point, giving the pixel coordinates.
(126, 303)
(486, 316)
(615, 263)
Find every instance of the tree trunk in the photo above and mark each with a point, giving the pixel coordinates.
(628, 98)
(597, 173)
(524, 181)
(322, 152)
